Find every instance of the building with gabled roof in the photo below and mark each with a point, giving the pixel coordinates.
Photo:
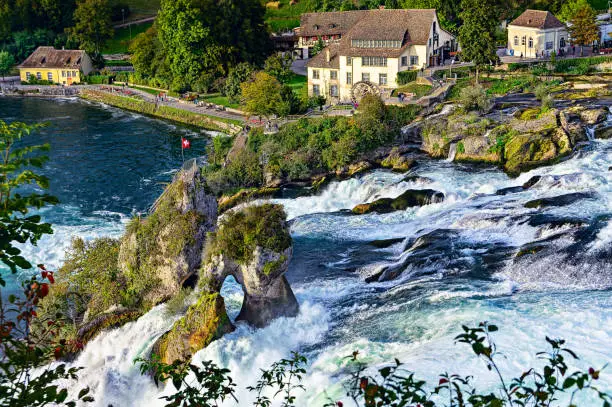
(371, 48)
(537, 33)
(59, 66)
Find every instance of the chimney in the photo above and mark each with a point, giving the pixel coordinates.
(327, 55)
(381, 7)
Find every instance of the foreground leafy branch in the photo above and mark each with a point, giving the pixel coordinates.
(394, 385)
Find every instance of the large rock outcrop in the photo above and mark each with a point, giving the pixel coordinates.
(254, 246)
(167, 245)
(532, 138)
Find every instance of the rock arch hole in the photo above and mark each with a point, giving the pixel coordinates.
(233, 295)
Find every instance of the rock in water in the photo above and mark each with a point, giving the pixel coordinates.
(205, 321)
(165, 248)
(254, 246)
(410, 198)
(561, 200)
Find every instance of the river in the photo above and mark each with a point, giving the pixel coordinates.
(458, 257)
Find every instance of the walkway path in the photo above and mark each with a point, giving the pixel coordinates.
(174, 102)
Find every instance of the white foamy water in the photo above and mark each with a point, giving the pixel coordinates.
(415, 317)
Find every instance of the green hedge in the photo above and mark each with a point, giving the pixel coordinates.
(405, 77)
(98, 79)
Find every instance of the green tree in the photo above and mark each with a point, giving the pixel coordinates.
(92, 25)
(318, 47)
(279, 66)
(6, 16)
(237, 75)
(16, 163)
(477, 34)
(22, 351)
(6, 63)
(262, 96)
(584, 30)
(148, 57)
(189, 43)
(570, 8)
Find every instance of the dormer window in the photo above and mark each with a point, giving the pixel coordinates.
(332, 25)
(68, 61)
(316, 26)
(78, 61)
(43, 60)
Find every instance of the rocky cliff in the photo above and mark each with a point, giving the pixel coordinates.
(254, 246)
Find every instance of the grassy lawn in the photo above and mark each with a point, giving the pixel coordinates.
(299, 84)
(141, 8)
(154, 92)
(413, 87)
(120, 42)
(219, 99)
(284, 16)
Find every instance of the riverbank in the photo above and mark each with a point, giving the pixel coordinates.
(163, 112)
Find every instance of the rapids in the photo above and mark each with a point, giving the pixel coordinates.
(457, 257)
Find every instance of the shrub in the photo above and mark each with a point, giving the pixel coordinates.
(179, 303)
(243, 171)
(241, 231)
(405, 77)
(474, 98)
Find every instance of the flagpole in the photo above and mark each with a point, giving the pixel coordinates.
(182, 151)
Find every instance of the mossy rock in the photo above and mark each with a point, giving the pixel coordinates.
(398, 162)
(204, 322)
(408, 199)
(530, 250)
(603, 132)
(527, 151)
(245, 195)
(110, 320)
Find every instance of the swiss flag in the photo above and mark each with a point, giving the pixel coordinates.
(185, 143)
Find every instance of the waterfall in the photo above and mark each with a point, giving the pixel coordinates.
(590, 133)
(452, 152)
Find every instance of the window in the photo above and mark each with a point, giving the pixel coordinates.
(516, 40)
(333, 75)
(316, 90)
(28, 76)
(373, 61)
(523, 39)
(414, 60)
(376, 44)
(333, 90)
(75, 74)
(70, 74)
(404, 61)
(562, 42)
(365, 77)
(382, 79)
(549, 45)
(430, 42)
(38, 75)
(63, 74)
(50, 76)
(315, 74)
(531, 42)
(349, 78)
(349, 61)
(434, 27)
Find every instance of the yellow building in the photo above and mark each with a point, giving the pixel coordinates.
(63, 67)
(537, 33)
(373, 50)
